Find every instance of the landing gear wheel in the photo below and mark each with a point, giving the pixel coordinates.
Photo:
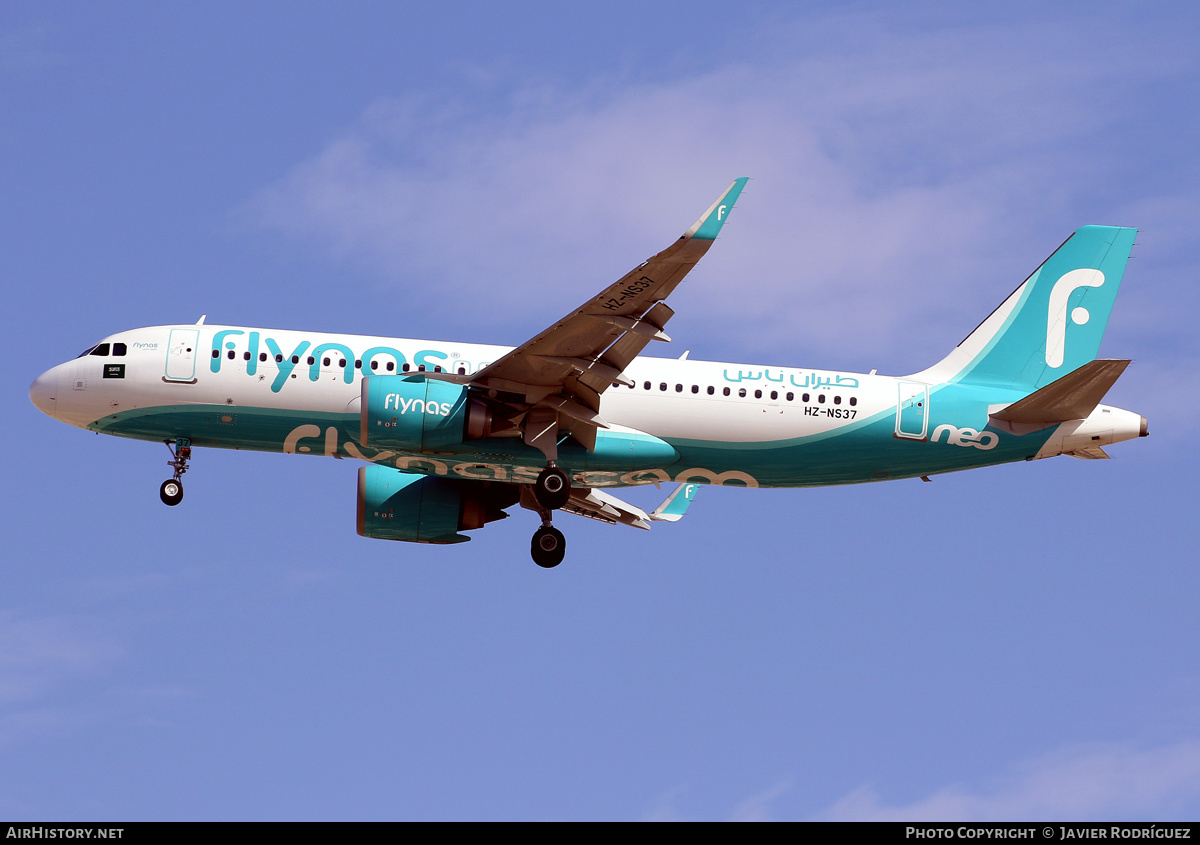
(548, 547)
(552, 488)
(171, 492)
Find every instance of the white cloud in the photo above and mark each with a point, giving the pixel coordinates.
(39, 656)
(36, 654)
(1100, 782)
(900, 177)
(664, 809)
(757, 808)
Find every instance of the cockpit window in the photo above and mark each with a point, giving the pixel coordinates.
(85, 352)
(101, 350)
(119, 349)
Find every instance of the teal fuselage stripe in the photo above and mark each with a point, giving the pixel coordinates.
(859, 451)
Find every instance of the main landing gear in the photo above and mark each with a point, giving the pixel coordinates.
(551, 491)
(171, 491)
(548, 546)
(552, 488)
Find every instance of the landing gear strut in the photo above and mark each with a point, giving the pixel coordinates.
(171, 491)
(551, 491)
(552, 488)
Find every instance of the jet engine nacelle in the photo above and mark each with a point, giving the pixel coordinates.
(396, 505)
(414, 414)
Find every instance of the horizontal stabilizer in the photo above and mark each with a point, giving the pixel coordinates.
(1089, 453)
(1072, 397)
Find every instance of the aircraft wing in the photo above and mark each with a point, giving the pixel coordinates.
(565, 368)
(605, 507)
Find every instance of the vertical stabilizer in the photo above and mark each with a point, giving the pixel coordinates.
(1053, 323)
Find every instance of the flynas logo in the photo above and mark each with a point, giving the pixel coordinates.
(1056, 314)
(237, 345)
(419, 406)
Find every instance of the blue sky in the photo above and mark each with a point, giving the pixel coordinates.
(1019, 642)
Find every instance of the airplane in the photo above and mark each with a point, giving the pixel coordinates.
(451, 434)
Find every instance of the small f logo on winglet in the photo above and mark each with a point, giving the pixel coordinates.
(721, 211)
(1056, 313)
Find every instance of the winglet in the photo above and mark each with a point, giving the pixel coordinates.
(710, 223)
(675, 505)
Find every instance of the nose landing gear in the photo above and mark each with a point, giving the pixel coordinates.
(171, 491)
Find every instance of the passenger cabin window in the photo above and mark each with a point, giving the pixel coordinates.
(774, 394)
(837, 400)
(391, 365)
(278, 358)
(742, 392)
(262, 356)
(405, 367)
(311, 360)
(662, 386)
(758, 394)
(695, 388)
(246, 356)
(646, 385)
(118, 349)
(711, 390)
(374, 365)
(791, 396)
(679, 388)
(725, 392)
(821, 398)
(231, 355)
(853, 400)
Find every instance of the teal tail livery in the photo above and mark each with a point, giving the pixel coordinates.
(452, 435)
(1053, 322)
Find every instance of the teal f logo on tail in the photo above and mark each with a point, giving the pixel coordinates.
(1056, 325)
(1053, 323)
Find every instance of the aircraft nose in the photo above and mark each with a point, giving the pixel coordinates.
(43, 393)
